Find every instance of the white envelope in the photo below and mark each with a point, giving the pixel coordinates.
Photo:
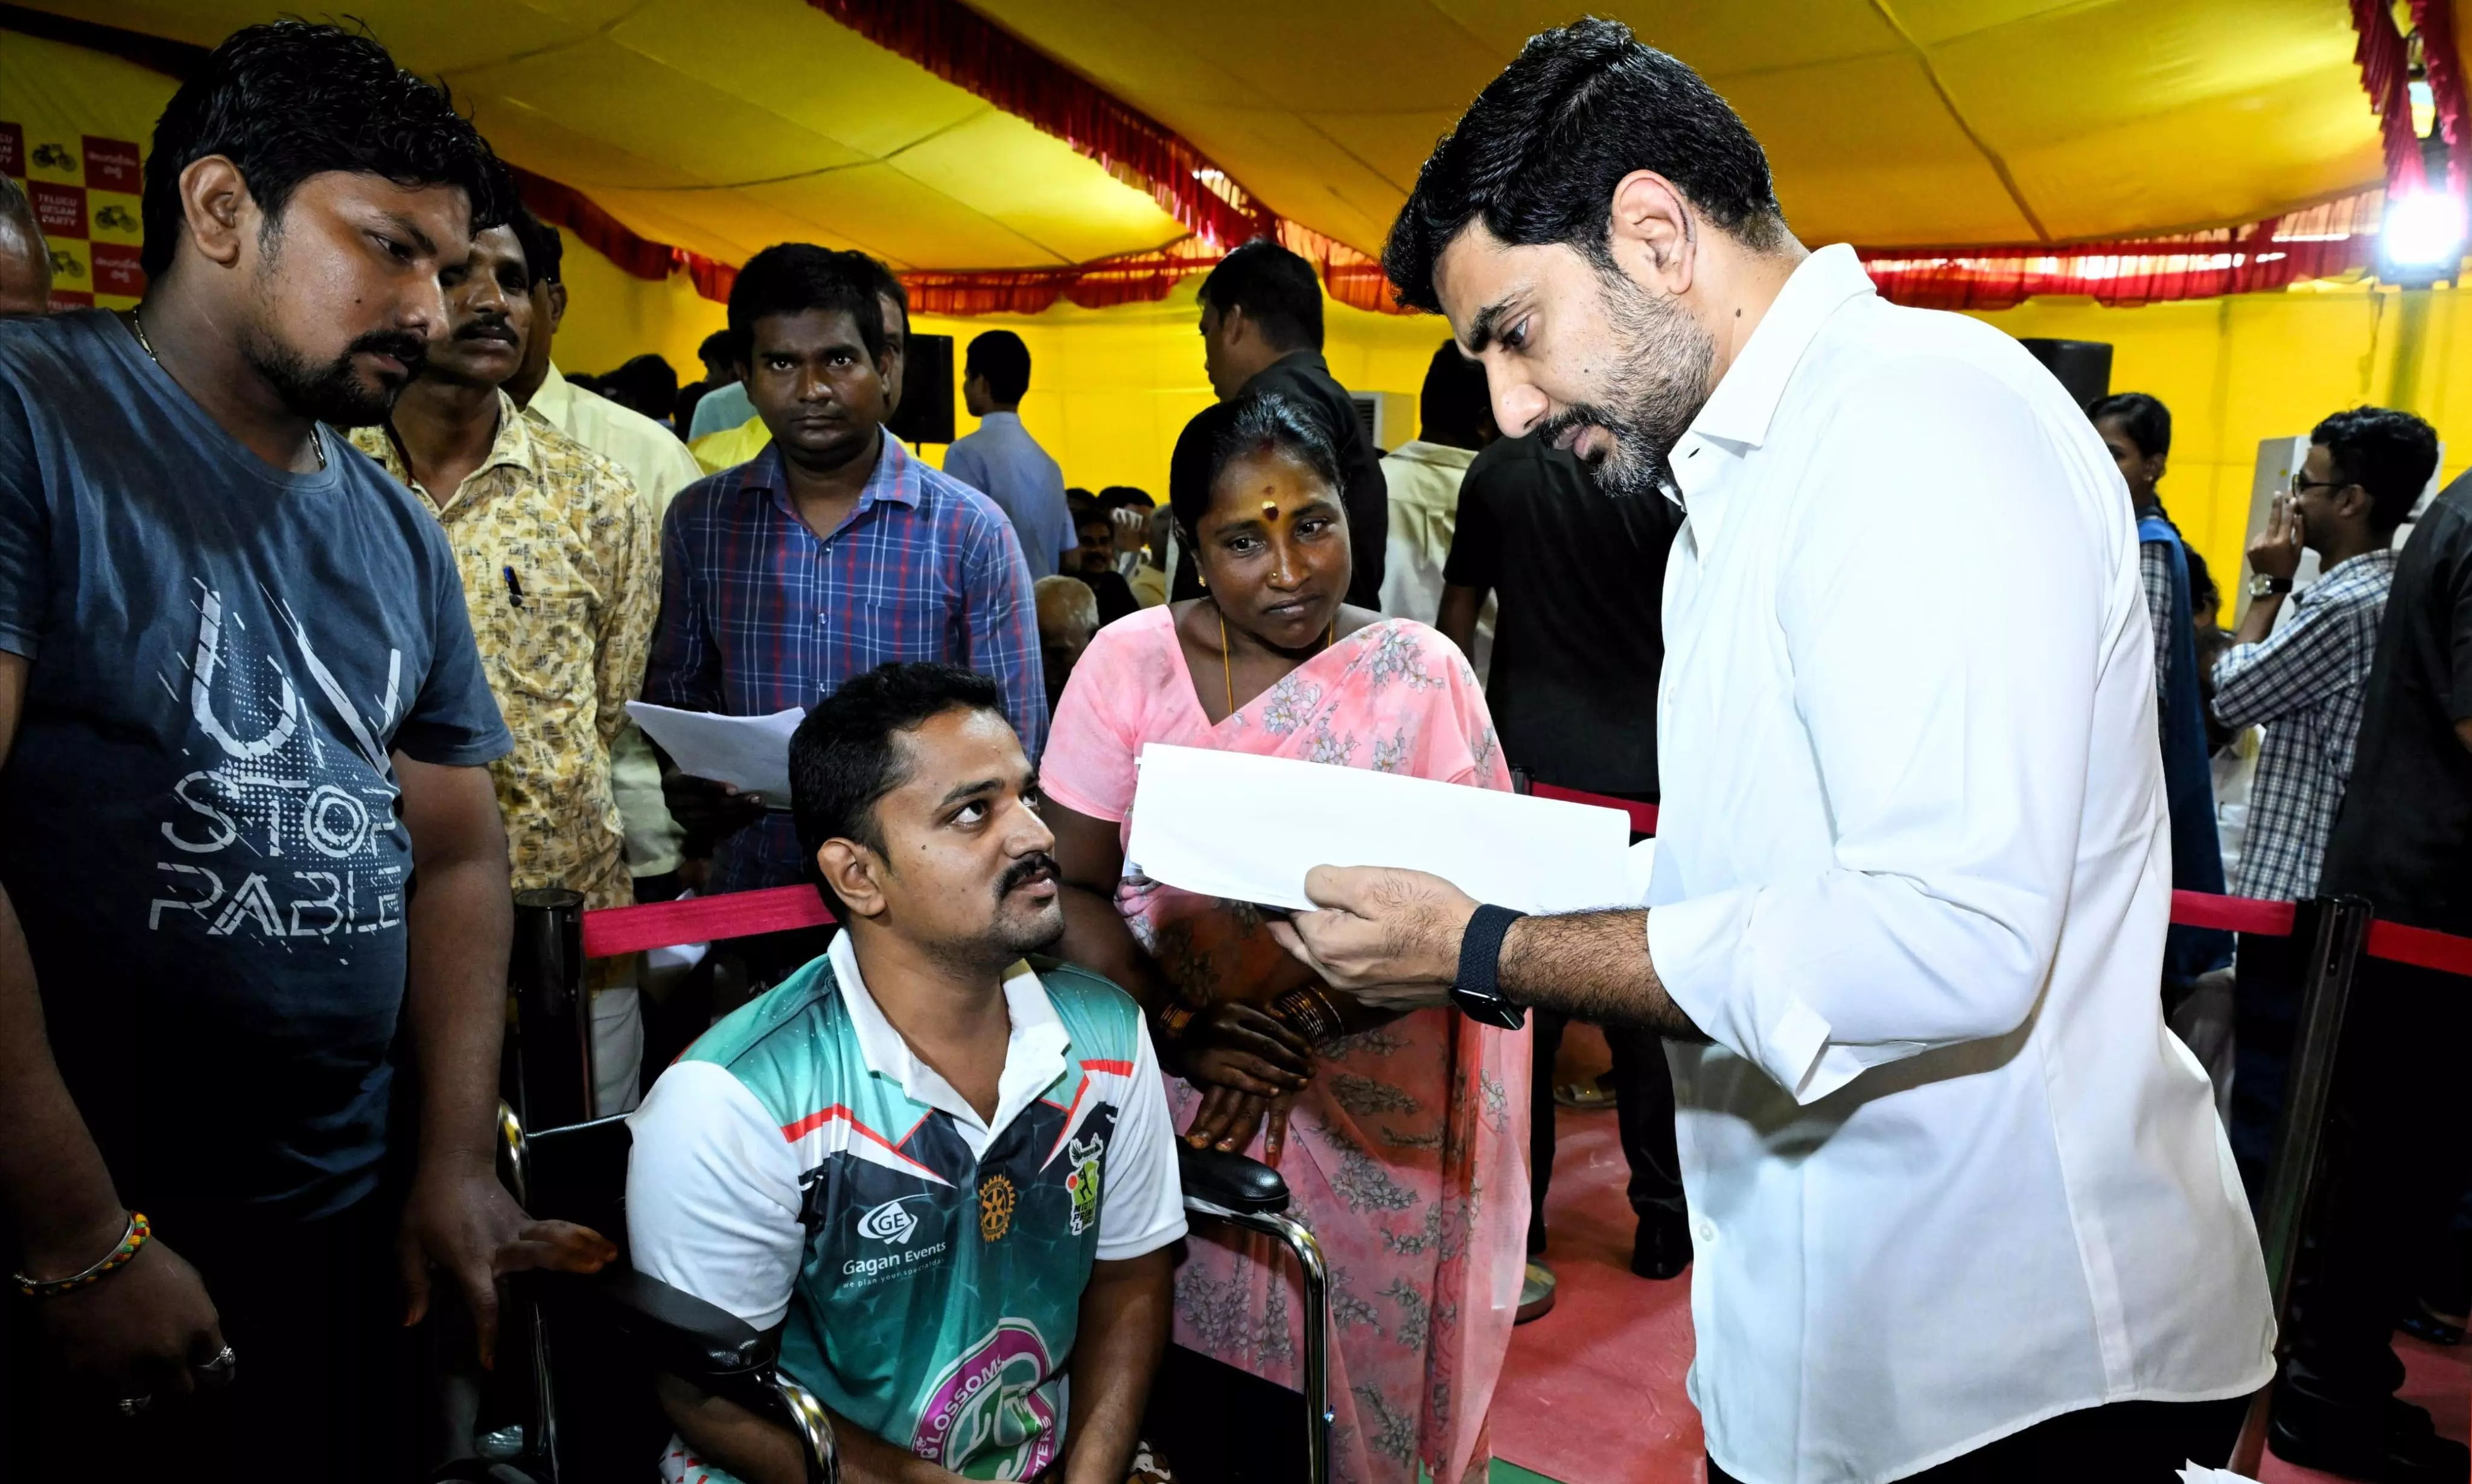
(750, 753)
(1248, 828)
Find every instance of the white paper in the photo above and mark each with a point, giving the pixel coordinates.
(1248, 828)
(2200, 1473)
(750, 753)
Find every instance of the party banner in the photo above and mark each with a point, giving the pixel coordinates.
(71, 123)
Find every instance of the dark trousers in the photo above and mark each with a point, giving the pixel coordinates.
(1644, 1111)
(325, 1386)
(2265, 1014)
(2397, 1154)
(2125, 1443)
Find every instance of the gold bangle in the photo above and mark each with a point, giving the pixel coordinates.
(1310, 1011)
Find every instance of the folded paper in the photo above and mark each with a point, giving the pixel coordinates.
(1248, 828)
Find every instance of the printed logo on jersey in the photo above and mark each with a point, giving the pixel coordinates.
(985, 1417)
(996, 1200)
(888, 1222)
(1082, 1155)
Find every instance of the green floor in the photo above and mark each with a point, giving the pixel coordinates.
(1513, 1474)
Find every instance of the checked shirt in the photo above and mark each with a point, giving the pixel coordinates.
(2306, 684)
(758, 616)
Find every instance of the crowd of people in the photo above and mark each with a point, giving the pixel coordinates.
(324, 592)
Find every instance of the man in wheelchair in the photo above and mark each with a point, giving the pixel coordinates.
(947, 1173)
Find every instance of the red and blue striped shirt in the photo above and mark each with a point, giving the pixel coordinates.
(758, 616)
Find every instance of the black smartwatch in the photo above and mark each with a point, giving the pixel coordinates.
(1477, 990)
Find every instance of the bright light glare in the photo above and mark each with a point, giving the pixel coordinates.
(2424, 229)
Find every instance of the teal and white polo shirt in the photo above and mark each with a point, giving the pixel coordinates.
(797, 1163)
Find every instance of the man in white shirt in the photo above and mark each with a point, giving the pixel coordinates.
(1958, 1198)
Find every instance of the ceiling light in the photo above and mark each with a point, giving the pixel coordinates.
(2424, 231)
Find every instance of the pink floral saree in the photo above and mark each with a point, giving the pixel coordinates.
(1407, 1154)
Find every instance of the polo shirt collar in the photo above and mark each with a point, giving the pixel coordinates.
(1035, 1051)
(1737, 415)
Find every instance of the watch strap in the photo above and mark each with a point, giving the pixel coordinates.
(1478, 989)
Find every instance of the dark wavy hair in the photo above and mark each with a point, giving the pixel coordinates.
(289, 100)
(792, 278)
(1220, 434)
(2389, 453)
(1538, 156)
(845, 756)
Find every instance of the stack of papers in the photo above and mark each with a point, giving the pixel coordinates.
(1248, 828)
(750, 753)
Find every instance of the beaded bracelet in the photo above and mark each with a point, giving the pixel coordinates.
(1310, 1011)
(134, 1238)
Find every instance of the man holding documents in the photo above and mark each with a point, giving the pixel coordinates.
(830, 553)
(1962, 1207)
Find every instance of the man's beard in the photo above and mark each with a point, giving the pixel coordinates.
(1658, 384)
(1016, 934)
(334, 394)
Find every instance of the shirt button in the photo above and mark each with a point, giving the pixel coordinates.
(1706, 1230)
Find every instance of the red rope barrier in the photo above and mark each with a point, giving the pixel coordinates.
(1643, 816)
(2421, 947)
(664, 924)
(616, 930)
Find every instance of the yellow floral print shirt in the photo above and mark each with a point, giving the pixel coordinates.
(562, 573)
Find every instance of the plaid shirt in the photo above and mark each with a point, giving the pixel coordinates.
(757, 616)
(2306, 684)
(2154, 571)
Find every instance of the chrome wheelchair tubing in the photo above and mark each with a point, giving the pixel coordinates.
(815, 1426)
(1296, 1238)
(520, 1154)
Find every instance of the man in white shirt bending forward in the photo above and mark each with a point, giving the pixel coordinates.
(1958, 1198)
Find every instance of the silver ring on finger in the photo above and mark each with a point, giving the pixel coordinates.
(130, 1406)
(222, 1365)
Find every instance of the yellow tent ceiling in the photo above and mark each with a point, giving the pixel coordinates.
(724, 125)
(720, 125)
(1888, 122)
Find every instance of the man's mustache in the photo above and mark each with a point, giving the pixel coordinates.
(1025, 871)
(402, 345)
(1552, 431)
(487, 328)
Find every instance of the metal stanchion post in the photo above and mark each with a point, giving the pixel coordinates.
(553, 1013)
(2337, 929)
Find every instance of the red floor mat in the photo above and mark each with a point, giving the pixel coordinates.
(1592, 1393)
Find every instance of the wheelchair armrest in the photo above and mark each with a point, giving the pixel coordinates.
(701, 1343)
(1229, 1181)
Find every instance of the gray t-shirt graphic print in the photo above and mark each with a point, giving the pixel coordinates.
(199, 822)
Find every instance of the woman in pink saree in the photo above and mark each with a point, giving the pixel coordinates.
(1400, 1136)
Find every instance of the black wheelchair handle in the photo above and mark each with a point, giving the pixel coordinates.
(1231, 1181)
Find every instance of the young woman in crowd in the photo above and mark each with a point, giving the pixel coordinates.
(1398, 1135)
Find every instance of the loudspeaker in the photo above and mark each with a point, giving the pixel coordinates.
(926, 415)
(2082, 366)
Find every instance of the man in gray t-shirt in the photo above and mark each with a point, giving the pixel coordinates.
(247, 847)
